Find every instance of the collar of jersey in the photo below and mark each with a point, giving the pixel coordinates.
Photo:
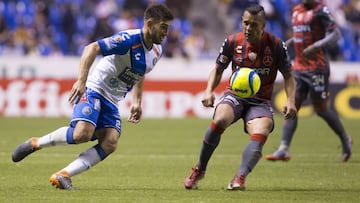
(143, 41)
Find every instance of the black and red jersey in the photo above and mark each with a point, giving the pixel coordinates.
(309, 26)
(266, 57)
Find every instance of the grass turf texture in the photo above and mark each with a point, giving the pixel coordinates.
(154, 157)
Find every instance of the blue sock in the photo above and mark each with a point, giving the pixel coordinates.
(100, 151)
(70, 135)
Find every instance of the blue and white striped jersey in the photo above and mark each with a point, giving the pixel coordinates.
(126, 60)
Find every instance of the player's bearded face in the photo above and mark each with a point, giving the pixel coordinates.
(159, 31)
(253, 27)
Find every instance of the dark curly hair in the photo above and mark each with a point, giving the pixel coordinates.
(158, 12)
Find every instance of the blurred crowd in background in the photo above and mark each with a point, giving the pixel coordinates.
(64, 27)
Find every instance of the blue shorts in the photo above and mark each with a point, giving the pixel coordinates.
(97, 110)
(248, 109)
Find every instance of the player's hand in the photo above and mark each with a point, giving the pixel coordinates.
(310, 52)
(135, 114)
(289, 112)
(208, 100)
(77, 91)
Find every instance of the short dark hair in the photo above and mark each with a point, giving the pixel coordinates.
(256, 9)
(158, 12)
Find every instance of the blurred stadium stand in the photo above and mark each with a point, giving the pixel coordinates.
(64, 27)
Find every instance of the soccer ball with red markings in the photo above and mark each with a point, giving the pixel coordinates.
(245, 82)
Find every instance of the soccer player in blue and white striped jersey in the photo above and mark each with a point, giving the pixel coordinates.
(127, 57)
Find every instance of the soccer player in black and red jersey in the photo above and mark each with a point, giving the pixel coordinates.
(313, 29)
(267, 54)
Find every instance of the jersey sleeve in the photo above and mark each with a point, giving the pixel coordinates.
(326, 19)
(119, 43)
(284, 60)
(225, 55)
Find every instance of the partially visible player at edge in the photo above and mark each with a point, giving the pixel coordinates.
(267, 54)
(314, 28)
(127, 57)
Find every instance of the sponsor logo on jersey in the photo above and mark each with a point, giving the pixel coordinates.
(137, 56)
(129, 77)
(263, 71)
(238, 49)
(301, 28)
(298, 40)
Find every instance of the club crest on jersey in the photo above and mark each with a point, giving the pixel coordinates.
(112, 41)
(86, 110)
(113, 82)
(116, 39)
(252, 56)
(268, 59)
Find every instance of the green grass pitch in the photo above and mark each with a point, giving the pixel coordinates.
(154, 157)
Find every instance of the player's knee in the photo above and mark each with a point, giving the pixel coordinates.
(221, 123)
(320, 107)
(322, 112)
(82, 132)
(82, 135)
(109, 146)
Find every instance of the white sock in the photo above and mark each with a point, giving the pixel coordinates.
(57, 137)
(283, 147)
(84, 162)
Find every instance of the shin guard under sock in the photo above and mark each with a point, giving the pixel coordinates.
(211, 140)
(252, 154)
